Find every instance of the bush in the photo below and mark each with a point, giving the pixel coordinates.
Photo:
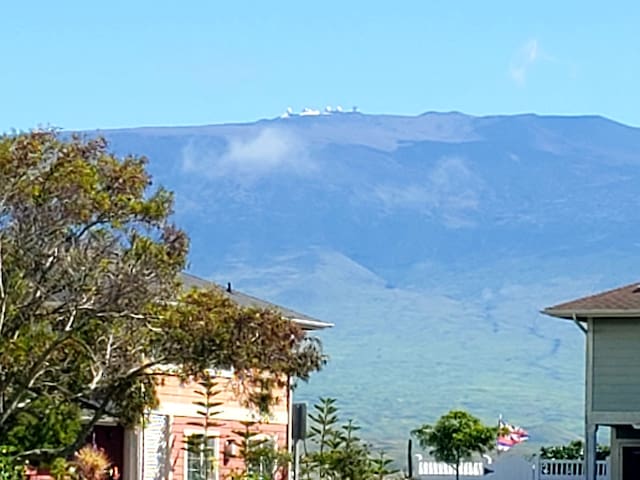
(91, 463)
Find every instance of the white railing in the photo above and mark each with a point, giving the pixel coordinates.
(569, 469)
(467, 469)
(542, 469)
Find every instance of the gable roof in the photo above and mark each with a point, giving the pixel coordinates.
(244, 300)
(622, 302)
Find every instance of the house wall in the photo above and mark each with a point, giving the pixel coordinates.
(177, 403)
(156, 452)
(179, 399)
(615, 382)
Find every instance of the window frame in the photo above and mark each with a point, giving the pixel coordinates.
(212, 435)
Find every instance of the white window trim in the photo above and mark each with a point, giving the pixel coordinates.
(215, 434)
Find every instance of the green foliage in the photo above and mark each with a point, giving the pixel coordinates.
(10, 468)
(602, 452)
(199, 444)
(91, 301)
(574, 450)
(336, 450)
(261, 457)
(456, 436)
(381, 465)
(324, 421)
(264, 460)
(44, 424)
(348, 456)
(60, 469)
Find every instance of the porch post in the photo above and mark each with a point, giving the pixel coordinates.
(130, 469)
(591, 435)
(591, 428)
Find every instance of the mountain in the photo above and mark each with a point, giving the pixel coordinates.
(432, 242)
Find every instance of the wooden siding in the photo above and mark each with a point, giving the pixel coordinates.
(616, 365)
(177, 399)
(182, 427)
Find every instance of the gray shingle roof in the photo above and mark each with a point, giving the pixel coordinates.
(619, 302)
(244, 300)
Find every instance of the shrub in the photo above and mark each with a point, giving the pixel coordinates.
(91, 463)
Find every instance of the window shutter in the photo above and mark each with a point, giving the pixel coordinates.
(155, 462)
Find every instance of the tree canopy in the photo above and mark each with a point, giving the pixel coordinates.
(455, 437)
(91, 302)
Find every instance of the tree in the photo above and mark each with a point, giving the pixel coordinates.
(199, 445)
(456, 436)
(337, 452)
(261, 457)
(91, 302)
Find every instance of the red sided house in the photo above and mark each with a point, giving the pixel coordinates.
(611, 322)
(157, 450)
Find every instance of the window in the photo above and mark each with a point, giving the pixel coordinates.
(201, 458)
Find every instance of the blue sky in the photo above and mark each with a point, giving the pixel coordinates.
(74, 64)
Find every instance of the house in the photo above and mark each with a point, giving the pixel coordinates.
(157, 450)
(611, 322)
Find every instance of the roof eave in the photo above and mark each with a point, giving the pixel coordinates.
(308, 324)
(582, 314)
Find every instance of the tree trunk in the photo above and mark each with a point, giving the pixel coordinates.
(458, 469)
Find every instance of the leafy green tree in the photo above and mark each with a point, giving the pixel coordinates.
(455, 437)
(91, 301)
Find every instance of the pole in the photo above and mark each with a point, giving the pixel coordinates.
(296, 460)
(500, 428)
(591, 435)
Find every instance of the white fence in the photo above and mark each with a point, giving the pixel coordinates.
(432, 468)
(539, 469)
(568, 470)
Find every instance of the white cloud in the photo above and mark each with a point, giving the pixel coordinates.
(269, 150)
(524, 59)
(451, 193)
